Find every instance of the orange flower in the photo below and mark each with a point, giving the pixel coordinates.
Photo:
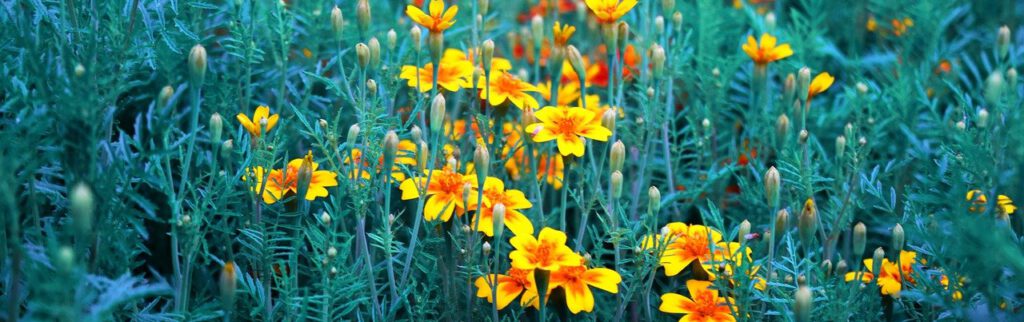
(576, 281)
(283, 181)
(562, 34)
(608, 11)
(631, 61)
(766, 52)
(506, 87)
(819, 85)
(497, 64)
(685, 244)
(568, 126)
(704, 304)
(438, 20)
(596, 74)
(445, 191)
(547, 252)
(253, 125)
(518, 281)
(512, 199)
(452, 75)
(892, 276)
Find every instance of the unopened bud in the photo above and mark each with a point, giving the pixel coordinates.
(617, 156)
(421, 156)
(483, 6)
(608, 119)
(498, 219)
(654, 200)
(337, 23)
(374, 45)
(82, 206)
(65, 259)
(1003, 41)
(782, 127)
(576, 61)
(325, 218)
(744, 229)
(371, 87)
(435, 42)
(803, 82)
(616, 184)
(982, 118)
(781, 222)
(877, 259)
(486, 247)
(659, 25)
(677, 19)
(537, 27)
(808, 222)
(994, 87)
(668, 5)
(623, 35)
(416, 35)
(789, 89)
(657, 60)
(392, 39)
(362, 55)
(770, 21)
(390, 148)
(862, 88)
(437, 114)
(802, 304)
(897, 238)
(226, 148)
(164, 98)
(840, 146)
(228, 283)
(216, 127)
(353, 134)
(482, 162)
(860, 239)
(771, 186)
(842, 268)
(802, 138)
(1011, 78)
(79, 70)
(197, 63)
(363, 14)
(487, 53)
(332, 252)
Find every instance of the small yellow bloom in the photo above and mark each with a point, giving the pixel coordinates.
(767, 51)
(518, 281)
(568, 93)
(568, 126)
(820, 84)
(444, 191)
(253, 125)
(283, 182)
(438, 20)
(548, 251)
(452, 75)
(562, 34)
(513, 200)
(577, 280)
(609, 11)
(892, 276)
(1005, 204)
(682, 245)
(704, 304)
(506, 87)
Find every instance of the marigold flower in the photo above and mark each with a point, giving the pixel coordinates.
(576, 281)
(497, 64)
(445, 192)
(682, 244)
(281, 182)
(609, 11)
(512, 199)
(406, 156)
(568, 126)
(253, 125)
(596, 74)
(820, 84)
(704, 304)
(891, 277)
(438, 20)
(568, 93)
(1005, 204)
(452, 75)
(506, 87)
(767, 51)
(510, 286)
(562, 33)
(548, 251)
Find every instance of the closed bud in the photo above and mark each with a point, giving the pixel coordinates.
(363, 14)
(390, 148)
(706, 123)
(654, 200)
(415, 133)
(840, 146)
(337, 23)
(482, 162)
(770, 21)
(789, 89)
(65, 259)
(617, 156)
(860, 239)
(353, 134)
(498, 218)
(216, 127)
(79, 70)
(677, 19)
(802, 304)
(960, 125)
(982, 118)
(862, 88)
(659, 25)
(487, 53)
(416, 35)
(826, 267)
(994, 87)
(771, 186)
(305, 174)
(537, 27)
(744, 230)
(781, 222)
(374, 45)
(436, 45)
(332, 252)
(802, 138)
(483, 6)
(362, 55)
(228, 284)
(808, 222)
(1011, 78)
(486, 248)
(226, 148)
(877, 259)
(82, 206)
(164, 98)
(421, 156)
(608, 119)
(323, 124)
(782, 126)
(668, 5)
(657, 60)
(622, 35)
(371, 87)
(862, 141)
(392, 39)
(1003, 41)
(527, 118)
(576, 61)
(391, 219)
(897, 238)
(325, 218)
(803, 83)
(437, 114)
(611, 36)
(197, 63)
(616, 180)
(848, 130)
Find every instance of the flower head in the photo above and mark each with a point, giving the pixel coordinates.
(452, 75)
(766, 52)
(562, 33)
(609, 11)
(704, 304)
(978, 200)
(444, 190)
(506, 87)
(254, 125)
(438, 20)
(513, 200)
(280, 182)
(577, 280)
(683, 244)
(516, 282)
(568, 126)
(547, 251)
(891, 276)
(820, 84)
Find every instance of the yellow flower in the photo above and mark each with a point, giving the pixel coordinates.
(253, 125)
(685, 244)
(562, 33)
(766, 52)
(568, 93)
(568, 126)
(547, 252)
(891, 277)
(497, 64)
(406, 156)
(438, 20)
(506, 87)
(820, 83)
(1005, 204)
(445, 191)
(452, 74)
(551, 168)
(703, 305)
(576, 281)
(518, 281)
(608, 11)
(512, 199)
(282, 182)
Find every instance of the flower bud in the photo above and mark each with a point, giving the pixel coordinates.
(353, 134)
(802, 304)
(482, 162)
(608, 119)
(677, 19)
(323, 124)
(305, 174)
(668, 5)
(486, 247)
(337, 23)
(654, 200)
(228, 284)
(840, 146)
(82, 206)
(789, 89)
(862, 88)
(803, 82)
(227, 148)
(782, 127)
(197, 63)
(771, 186)
(616, 184)
(362, 55)
(437, 114)
(802, 138)
(1011, 78)
(325, 218)
(487, 53)
(216, 127)
(770, 21)
(897, 238)
(982, 118)
(79, 70)
(623, 35)
(659, 25)
(392, 39)
(960, 125)
(483, 6)
(860, 239)
(744, 230)
(415, 133)
(390, 148)
(371, 87)
(826, 267)
(611, 36)
(363, 14)
(416, 35)
(527, 118)
(421, 156)
(808, 222)
(436, 45)
(65, 259)
(781, 221)
(537, 27)
(164, 98)
(842, 268)
(576, 61)
(617, 156)
(994, 87)
(657, 60)
(332, 252)
(876, 263)
(374, 45)
(1003, 41)
(498, 219)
